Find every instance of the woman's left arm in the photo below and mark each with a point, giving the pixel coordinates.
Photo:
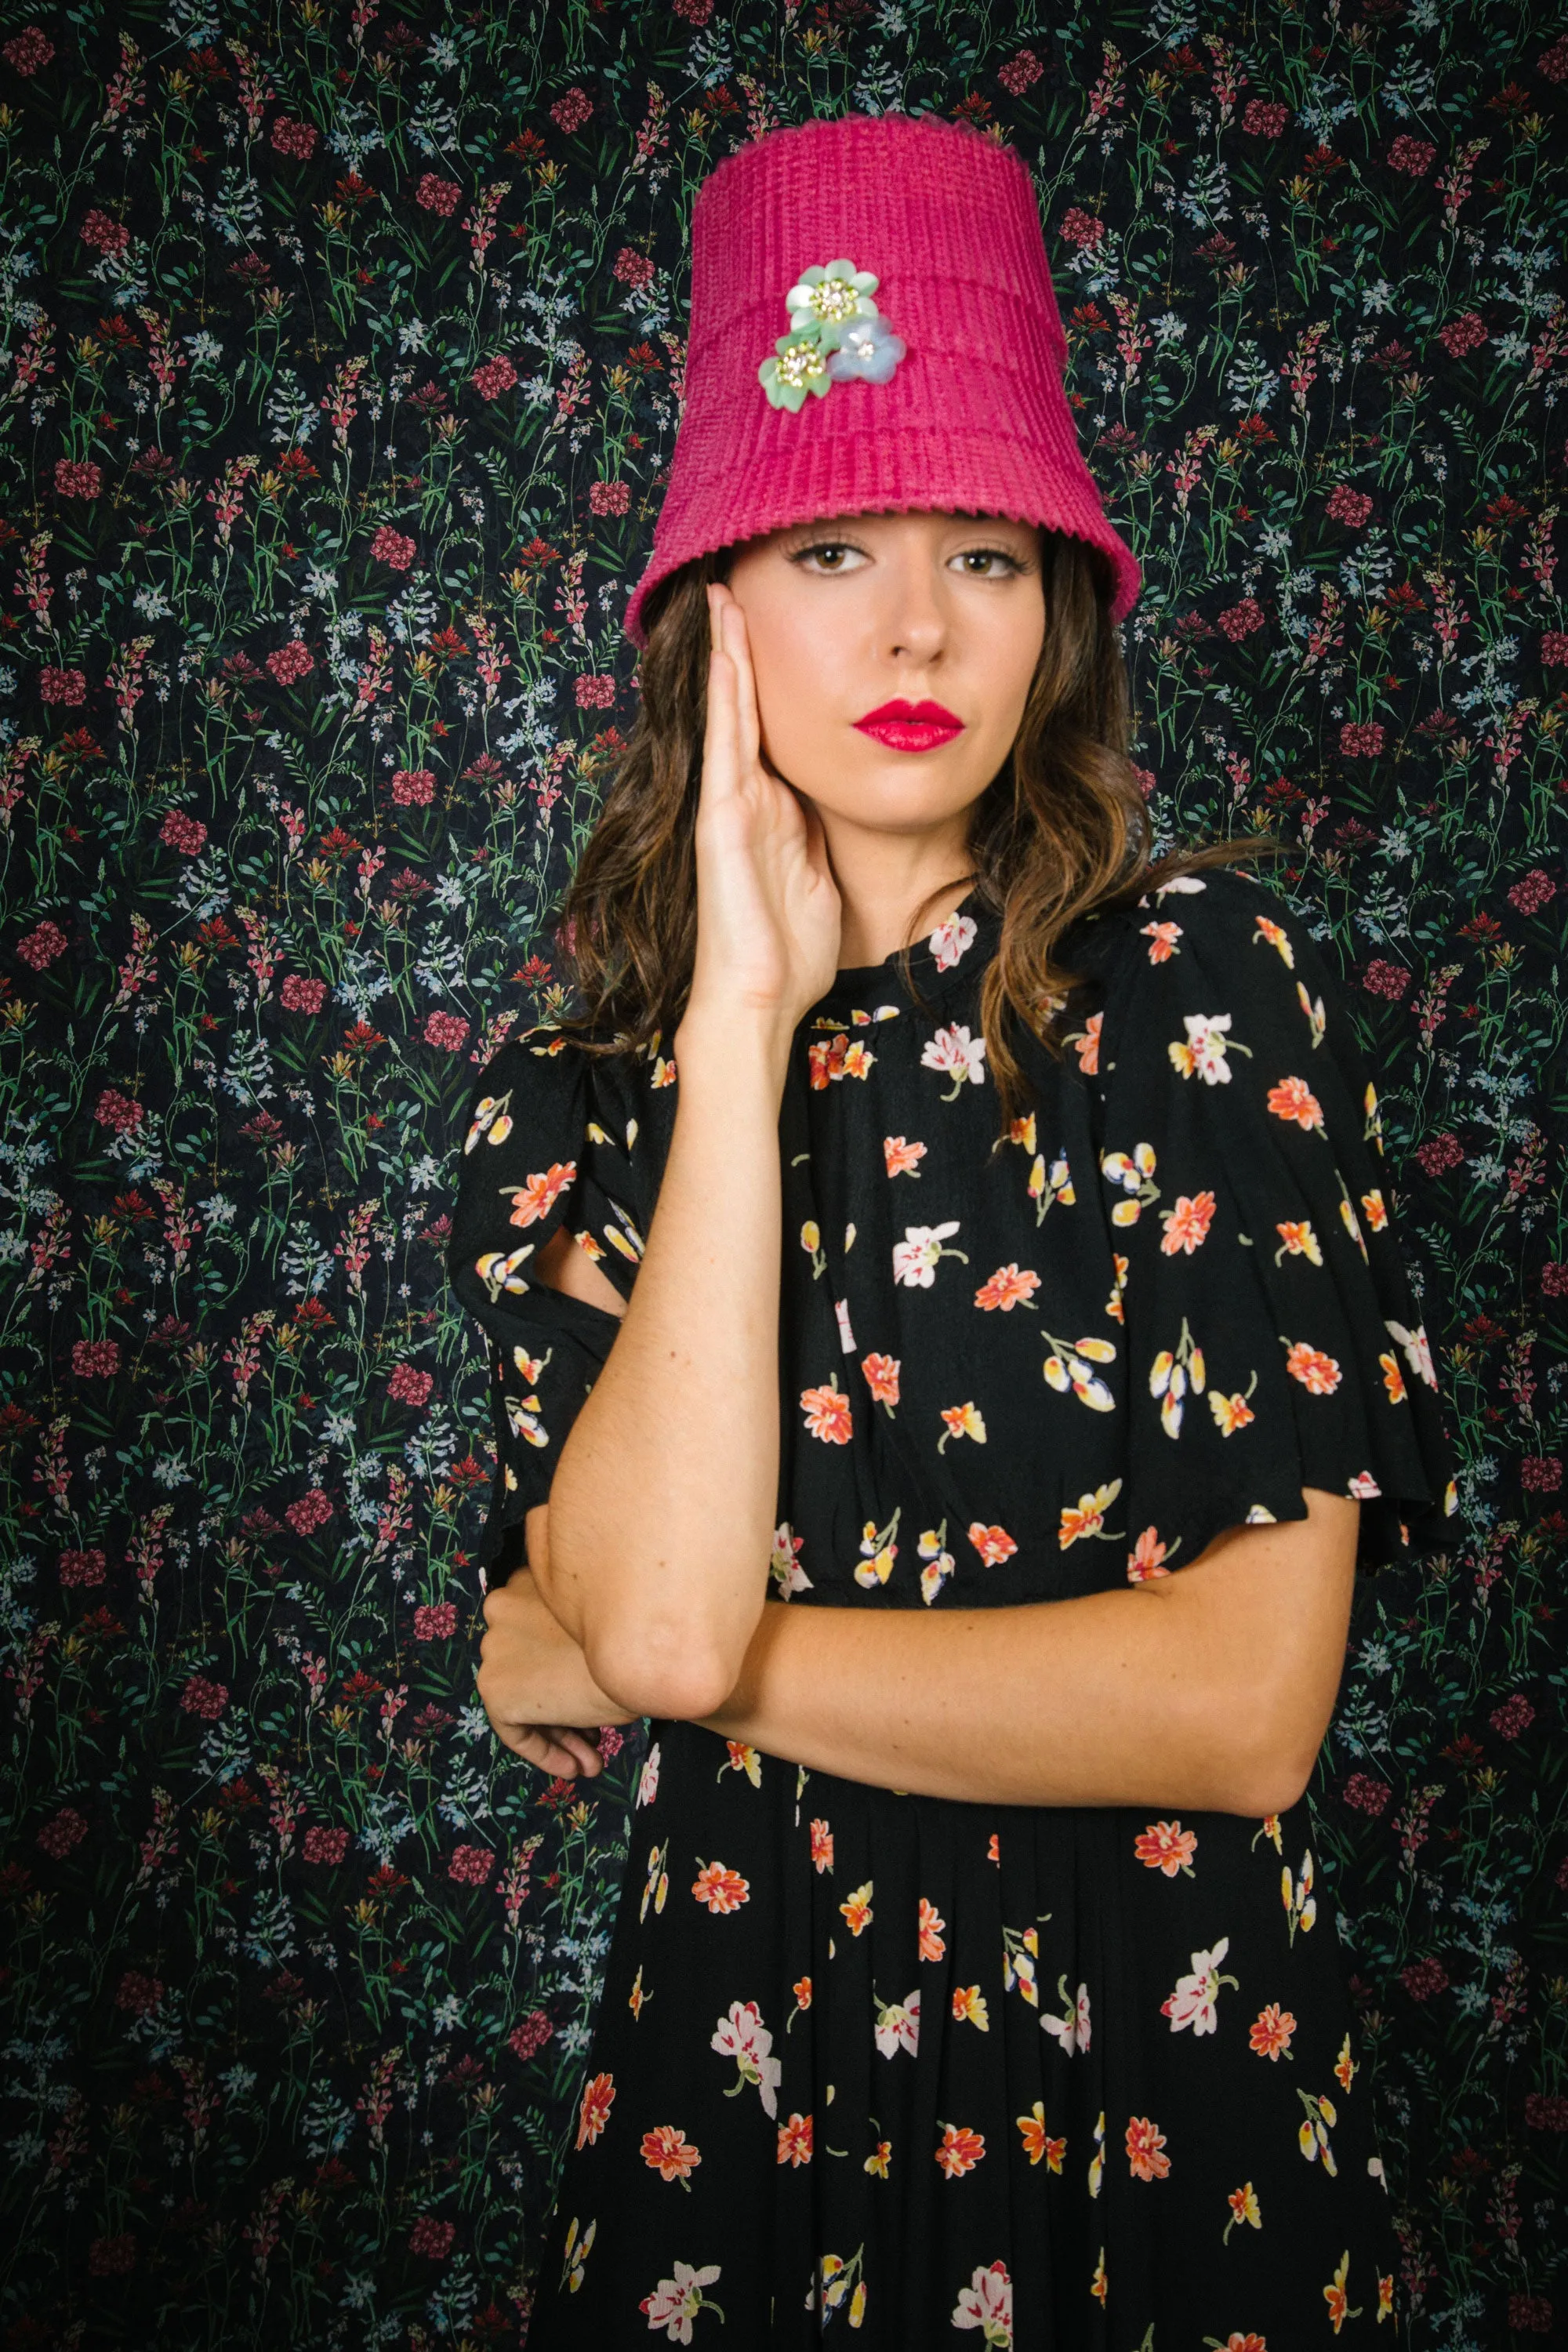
(1210, 1688)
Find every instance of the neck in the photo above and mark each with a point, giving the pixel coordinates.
(888, 882)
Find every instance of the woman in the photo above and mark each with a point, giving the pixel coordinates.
(952, 1354)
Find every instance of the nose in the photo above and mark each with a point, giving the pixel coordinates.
(914, 622)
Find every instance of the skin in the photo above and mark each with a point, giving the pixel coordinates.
(818, 850)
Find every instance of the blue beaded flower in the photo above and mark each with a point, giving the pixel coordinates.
(837, 333)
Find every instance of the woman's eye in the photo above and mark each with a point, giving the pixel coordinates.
(987, 556)
(831, 552)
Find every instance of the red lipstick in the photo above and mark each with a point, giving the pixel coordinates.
(910, 726)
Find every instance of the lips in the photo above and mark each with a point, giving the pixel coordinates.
(910, 726)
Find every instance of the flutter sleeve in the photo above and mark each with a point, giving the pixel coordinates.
(555, 1136)
(1271, 1339)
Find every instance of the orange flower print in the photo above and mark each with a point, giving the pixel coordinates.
(1168, 1847)
(1392, 1379)
(1386, 2296)
(802, 1991)
(721, 1889)
(1271, 2032)
(1299, 1240)
(743, 1757)
(637, 1997)
(1318, 1373)
(1293, 1098)
(1230, 1412)
(795, 2140)
(821, 1846)
(1186, 1225)
(1009, 1287)
(1022, 1130)
(837, 1058)
(538, 1195)
(962, 1420)
(1337, 2296)
(961, 2150)
(1099, 2286)
(1238, 2342)
(993, 1544)
(1088, 1045)
(1145, 2142)
(1377, 1210)
(828, 1413)
(1147, 1557)
(969, 2004)
(882, 1377)
(667, 2151)
(933, 1943)
(598, 2098)
(857, 1909)
(993, 1851)
(1086, 1516)
(879, 2163)
(1162, 939)
(1280, 938)
(1038, 2144)
(902, 1159)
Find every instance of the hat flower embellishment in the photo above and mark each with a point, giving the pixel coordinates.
(836, 334)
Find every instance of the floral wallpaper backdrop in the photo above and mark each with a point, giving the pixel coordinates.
(343, 354)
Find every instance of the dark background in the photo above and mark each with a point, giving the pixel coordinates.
(345, 345)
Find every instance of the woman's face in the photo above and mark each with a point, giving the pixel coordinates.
(939, 615)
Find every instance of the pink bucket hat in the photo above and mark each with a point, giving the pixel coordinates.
(873, 329)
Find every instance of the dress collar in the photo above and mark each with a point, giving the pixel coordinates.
(955, 950)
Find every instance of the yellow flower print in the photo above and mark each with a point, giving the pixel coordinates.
(1337, 2296)
(743, 1758)
(1038, 2144)
(962, 1420)
(577, 2254)
(1345, 2065)
(879, 2162)
(857, 1909)
(1276, 937)
(1066, 1367)
(1099, 2286)
(1313, 1006)
(968, 2002)
(1299, 1238)
(1096, 2175)
(1301, 1902)
(1134, 1172)
(1321, 2115)
(1086, 1516)
(1243, 2207)
(658, 1885)
(1232, 1413)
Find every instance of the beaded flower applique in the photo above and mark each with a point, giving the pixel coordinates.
(835, 333)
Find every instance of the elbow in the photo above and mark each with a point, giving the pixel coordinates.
(676, 1679)
(1270, 1763)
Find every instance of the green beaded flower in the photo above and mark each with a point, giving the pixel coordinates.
(829, 297)
(799, 365)
(837, 333)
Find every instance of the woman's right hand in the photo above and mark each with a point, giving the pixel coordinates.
(768, 910)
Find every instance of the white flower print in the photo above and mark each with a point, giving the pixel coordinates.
(676, 2301)
(785, 1570)
(647, 1779)
(986, 2303)
(1417, 1353)
(1194, 2000)
(846, 1335)
(1071, 2028)
(955, 1051)
(897, 2025)
(949, 942)
(1204, 1054)
(743, 2037)
(915, 1258)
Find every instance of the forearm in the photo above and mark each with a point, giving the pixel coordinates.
(661, 1507)
(1115, 1698)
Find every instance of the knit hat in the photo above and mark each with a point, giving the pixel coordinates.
(873, 329)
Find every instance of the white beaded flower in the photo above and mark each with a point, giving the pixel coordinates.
(836, 334)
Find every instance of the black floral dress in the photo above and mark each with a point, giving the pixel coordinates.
(920, 2070)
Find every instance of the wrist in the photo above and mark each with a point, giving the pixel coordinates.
(734, 1042)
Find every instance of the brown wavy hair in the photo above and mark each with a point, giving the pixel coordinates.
(1062, 831)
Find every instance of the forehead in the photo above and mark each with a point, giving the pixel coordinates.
(922, 523)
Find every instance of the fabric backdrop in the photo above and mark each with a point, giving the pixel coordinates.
(344, 352)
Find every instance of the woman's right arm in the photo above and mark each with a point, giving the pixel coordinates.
(661, 1510)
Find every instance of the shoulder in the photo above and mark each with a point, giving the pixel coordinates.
(1227, 922)
(561, 1084)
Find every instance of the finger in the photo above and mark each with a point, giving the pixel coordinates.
(589, 1760)
(721, 746)
(738, 644)
(541, 1746)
